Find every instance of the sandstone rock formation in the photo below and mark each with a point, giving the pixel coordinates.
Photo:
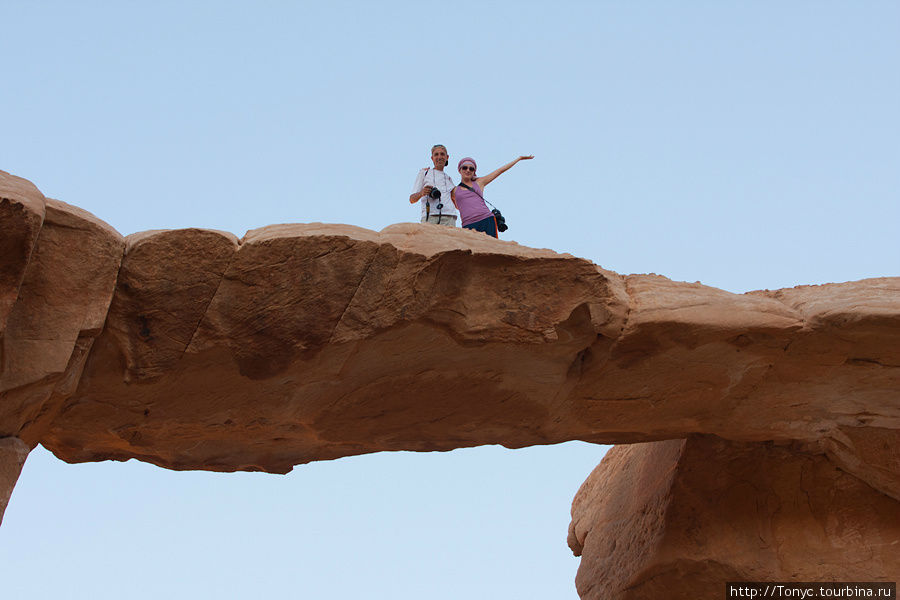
(13, 453)
(193, 349)
(690, 515)
(61, 278)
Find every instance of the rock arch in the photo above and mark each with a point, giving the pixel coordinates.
(193, 349)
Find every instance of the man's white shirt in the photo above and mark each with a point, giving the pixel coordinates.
(443, 182)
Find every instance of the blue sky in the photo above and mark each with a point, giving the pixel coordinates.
(745, 145)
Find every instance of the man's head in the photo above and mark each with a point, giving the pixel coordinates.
(439, 156)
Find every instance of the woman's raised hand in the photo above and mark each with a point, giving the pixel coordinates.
(486, 179)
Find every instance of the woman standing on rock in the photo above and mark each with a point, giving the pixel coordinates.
(468, 196)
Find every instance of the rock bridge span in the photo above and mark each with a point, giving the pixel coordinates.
(193, 349)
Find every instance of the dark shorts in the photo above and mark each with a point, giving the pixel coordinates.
(488, 226)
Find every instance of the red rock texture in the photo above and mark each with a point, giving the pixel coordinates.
(309, 342)
(680, 518)
(13, 453)
(21, 216)
(193, 349)
(60, 306)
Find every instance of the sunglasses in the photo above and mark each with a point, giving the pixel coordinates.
(467, 168)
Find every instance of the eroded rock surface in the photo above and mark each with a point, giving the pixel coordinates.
(680, 518)
(13, 453)
(310, 342)
(21, 216)
(67, 263)
(193, 349)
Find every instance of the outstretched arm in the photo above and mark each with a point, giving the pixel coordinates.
(483, 181)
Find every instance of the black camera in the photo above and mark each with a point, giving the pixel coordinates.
(434, 194)
(501, 221)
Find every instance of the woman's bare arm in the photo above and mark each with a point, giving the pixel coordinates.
(483, 181)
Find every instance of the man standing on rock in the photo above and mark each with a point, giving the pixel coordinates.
(432, 190)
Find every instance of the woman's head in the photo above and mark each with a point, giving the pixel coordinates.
(466, 168)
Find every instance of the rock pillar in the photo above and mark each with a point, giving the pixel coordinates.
(13, 453)
(679, 519)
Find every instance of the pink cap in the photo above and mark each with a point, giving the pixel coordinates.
(466, 160)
